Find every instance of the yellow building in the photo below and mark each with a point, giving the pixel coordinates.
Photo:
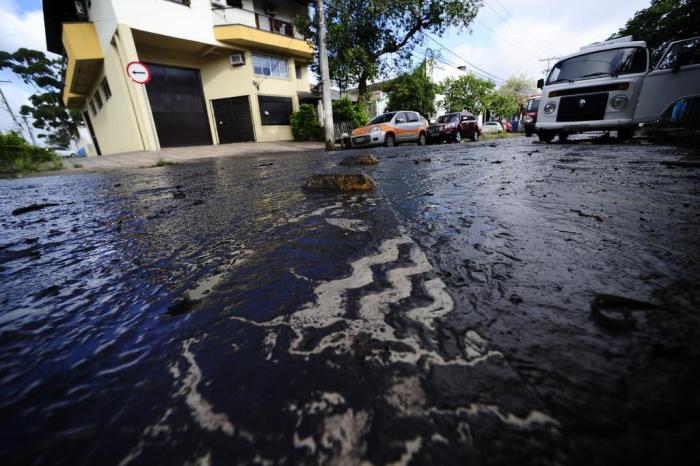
(221, 70)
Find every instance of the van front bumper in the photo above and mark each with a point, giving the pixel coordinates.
(582, 126)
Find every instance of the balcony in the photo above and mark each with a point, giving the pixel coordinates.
(85, 60)
(260, 32)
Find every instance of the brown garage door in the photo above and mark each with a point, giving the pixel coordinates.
(177, 103)
(233, 121)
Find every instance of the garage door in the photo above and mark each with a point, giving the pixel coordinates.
(233, 121)
(177, 103)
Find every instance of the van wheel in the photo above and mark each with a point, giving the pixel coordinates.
(458, 137)
(475, 136)
(389, 140)
(545, 136)
(422, 139)
(623, 134)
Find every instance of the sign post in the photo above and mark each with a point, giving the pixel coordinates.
(140, 73)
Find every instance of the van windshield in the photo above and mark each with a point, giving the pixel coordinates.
(451, 118)
(613, 62)
(533, 105)
(383, 118)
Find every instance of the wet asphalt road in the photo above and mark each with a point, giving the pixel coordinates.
(217, 313)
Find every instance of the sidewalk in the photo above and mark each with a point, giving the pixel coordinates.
(182, 155)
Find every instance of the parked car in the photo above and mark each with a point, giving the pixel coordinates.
(392, 128)
(454, 127)
(63, 152)
(607, 86)
(493, 127)
(507, 127)
(530, 118)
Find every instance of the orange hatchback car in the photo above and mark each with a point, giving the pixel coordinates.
(390, 129)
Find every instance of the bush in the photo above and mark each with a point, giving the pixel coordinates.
(305, 126)
(345, 110)
(17, 156)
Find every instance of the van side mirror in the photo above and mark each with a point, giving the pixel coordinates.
(540, 83)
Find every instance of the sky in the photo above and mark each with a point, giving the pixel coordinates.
(508, 36)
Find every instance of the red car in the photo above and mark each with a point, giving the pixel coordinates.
(454, 127)
(530, 117)
(507, 127)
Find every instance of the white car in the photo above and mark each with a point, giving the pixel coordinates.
(63, 152)
(492, 127)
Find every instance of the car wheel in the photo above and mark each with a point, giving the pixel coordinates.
(389, 140)
(528, 133)
(421, 139)
(545, 136)
(458, 137)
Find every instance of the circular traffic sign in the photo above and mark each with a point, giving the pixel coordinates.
(138, 72)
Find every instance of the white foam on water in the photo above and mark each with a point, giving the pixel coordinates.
(202, 411)
(329, 308)
(349, 224)
(412, 447)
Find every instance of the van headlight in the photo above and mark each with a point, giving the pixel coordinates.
(550, 107)
(619, 102)
(375, 129)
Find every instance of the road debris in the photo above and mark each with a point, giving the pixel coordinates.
(362, 159)
(340, 182)
(33, 207)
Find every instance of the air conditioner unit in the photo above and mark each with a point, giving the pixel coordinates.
(219, 3)
(237, 59)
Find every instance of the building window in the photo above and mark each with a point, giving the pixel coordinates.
(98, 99)
(298, 69)
(92, 107)
(270, 66)
(275, 110)
(105, 88)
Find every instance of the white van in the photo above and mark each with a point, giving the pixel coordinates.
(608, 86)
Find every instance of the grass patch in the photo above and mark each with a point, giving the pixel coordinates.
(77, 165)
(18, 157)
(164, 163)
(494, 136)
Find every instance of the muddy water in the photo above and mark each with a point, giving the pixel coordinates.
(217, 313)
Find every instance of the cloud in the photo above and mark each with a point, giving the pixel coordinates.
(510, 37)
(21, 28)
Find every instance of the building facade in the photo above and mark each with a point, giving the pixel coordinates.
(222, 71)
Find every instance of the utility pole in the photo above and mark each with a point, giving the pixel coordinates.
(548, 68)
(29, 129)
(325, 78)
(9, 109)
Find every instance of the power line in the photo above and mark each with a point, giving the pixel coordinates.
(520, 26)
(524, 34)
(464, 60)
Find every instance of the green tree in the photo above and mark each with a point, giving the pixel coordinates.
(519, 87)
(345, 110)
(59, 125)
(305, 125)
(664, 21)
(362, 34)
(501, 105)
(412, 91)
(466, 93)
